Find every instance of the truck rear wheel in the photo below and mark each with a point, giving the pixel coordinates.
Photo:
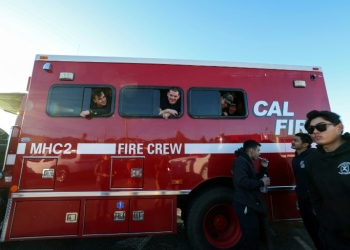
(211, 220)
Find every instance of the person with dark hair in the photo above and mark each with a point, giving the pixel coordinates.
(98, 104)
(169, 105)
(232, 109)
(329, 178)
(225, 101)
(302, 145)
(247, 199)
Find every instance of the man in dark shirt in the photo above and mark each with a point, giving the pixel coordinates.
(302, 145)
(98, 105)
(328, 172)
(247, 200)
(170, 105)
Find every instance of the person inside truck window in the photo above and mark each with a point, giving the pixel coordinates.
(226, 100)
(98, 104)
(232, 109)
(170, 104)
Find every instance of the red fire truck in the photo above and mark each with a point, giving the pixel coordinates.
(125, 172)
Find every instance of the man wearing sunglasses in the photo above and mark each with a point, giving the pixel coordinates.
(328, 172)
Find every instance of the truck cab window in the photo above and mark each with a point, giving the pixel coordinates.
(214, 103)
(145, 101)
(75, 100)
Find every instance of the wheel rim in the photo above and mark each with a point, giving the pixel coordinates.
(221, 226)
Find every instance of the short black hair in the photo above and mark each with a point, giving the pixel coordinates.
(250, 144)
(327, 115)
(305, 138)
(96, 92)
(175, 90)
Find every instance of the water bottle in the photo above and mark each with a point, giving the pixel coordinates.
(264, 188)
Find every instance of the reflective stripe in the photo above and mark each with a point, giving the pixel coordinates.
(96, 148)
(11, 158)
(190, 148)
(211, 148)
(230, 148)
(21, 148)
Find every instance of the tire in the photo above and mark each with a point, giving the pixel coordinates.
(211, 220)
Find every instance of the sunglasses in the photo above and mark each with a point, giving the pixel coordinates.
(321, 127)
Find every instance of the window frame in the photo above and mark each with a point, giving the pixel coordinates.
(194, 116)
(151, 87)
(84, 99)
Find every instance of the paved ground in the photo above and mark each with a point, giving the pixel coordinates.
(289, 236)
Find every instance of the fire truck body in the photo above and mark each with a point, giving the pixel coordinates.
(127, 171)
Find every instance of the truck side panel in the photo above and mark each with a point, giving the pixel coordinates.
(101, 167)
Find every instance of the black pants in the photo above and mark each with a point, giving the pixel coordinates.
(249, 223)
(332, 240)
(311, 223)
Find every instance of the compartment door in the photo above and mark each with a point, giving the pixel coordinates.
(106, 216)
(151, 215)
(127, 172)
(45, 218)
(38, 173)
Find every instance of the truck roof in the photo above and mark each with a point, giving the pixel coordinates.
(102, 59)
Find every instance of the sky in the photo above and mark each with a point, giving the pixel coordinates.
(299, 32)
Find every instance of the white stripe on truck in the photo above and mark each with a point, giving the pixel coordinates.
(96, 148)
(229, 148)
(10, 160)
(21, 148)
(190, 148)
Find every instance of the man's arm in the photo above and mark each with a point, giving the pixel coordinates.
(85, 113)
(167, 112)
(95, 112)
(315, 197)
(241, 177)
(104, 111)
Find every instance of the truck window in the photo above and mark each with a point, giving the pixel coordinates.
(144, 101)
(215, 103)
(70, 100)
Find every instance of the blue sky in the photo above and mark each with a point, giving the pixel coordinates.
(309, 33)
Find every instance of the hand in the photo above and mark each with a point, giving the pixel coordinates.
(172, 112)
(266, 181)
(264, 163)
(225, 113)
(166, 116)
(85, 113)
